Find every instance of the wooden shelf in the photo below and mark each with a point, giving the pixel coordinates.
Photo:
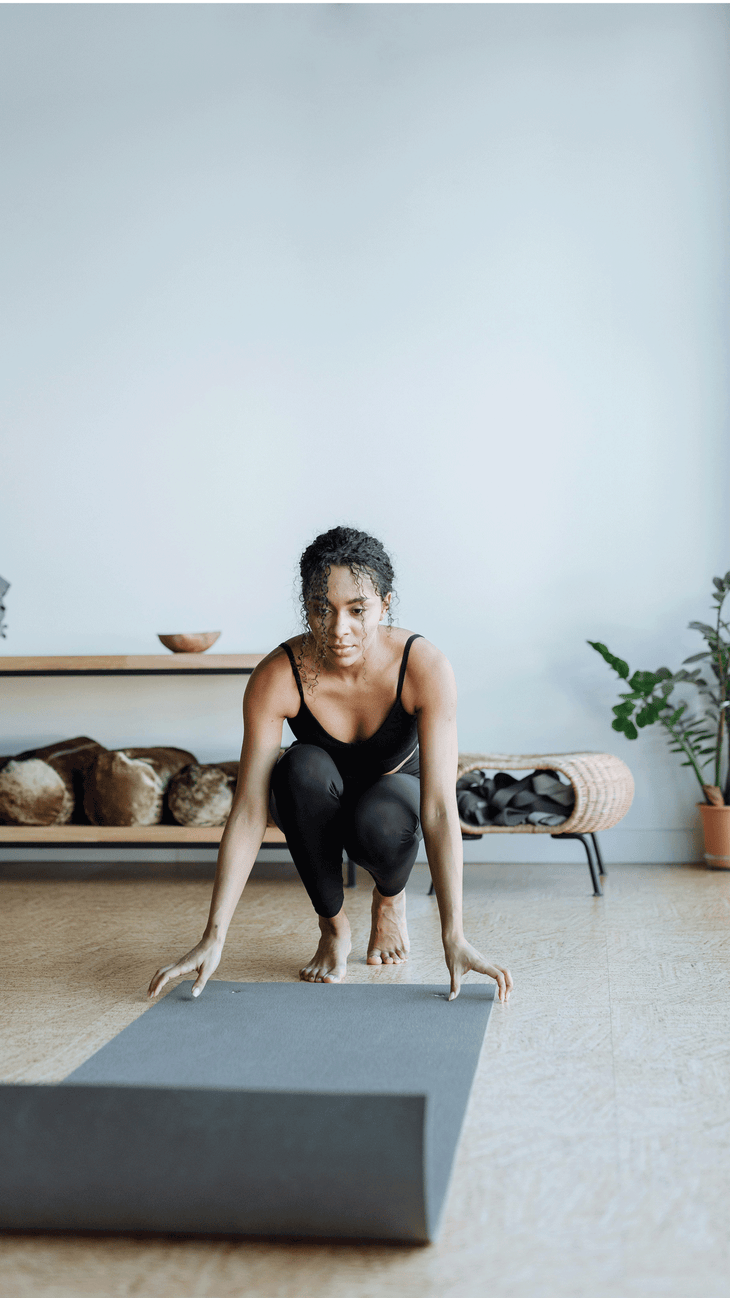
(127, 665)
(118, 835)
(133, 665)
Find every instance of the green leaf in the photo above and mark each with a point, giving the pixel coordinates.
(643, 682)
(626, 727)
(708, 631)
(663, 674)
(672, 721)
(650, 713)
(623, 710)
(619, 666)
(696, 658)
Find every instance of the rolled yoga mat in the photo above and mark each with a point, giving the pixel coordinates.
(284, 1109)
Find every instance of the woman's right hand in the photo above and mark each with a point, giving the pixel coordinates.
(203, 959)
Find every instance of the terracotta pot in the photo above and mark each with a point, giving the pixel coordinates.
(716, 827)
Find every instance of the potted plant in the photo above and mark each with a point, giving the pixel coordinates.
(703, 740)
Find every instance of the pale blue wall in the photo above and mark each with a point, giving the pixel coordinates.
(456, 275)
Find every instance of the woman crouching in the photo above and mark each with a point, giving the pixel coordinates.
(372, 771)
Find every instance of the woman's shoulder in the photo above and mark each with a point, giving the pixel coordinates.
(273, 678)
(424, 651)
(274, 662)
(429, 672)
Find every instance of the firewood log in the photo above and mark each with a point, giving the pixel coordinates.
(44, 786)
(127, 785)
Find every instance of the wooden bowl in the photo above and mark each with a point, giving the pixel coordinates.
(191, 642)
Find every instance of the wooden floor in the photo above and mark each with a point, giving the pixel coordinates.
(595, 1158)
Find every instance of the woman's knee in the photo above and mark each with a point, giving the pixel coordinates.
(385, 826)
(306, 769)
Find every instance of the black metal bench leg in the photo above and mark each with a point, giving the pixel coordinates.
(431, 890)
(351, 872)
(601, 867)
(597, 889)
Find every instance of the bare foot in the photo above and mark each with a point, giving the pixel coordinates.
(388, 936)
(329, 963)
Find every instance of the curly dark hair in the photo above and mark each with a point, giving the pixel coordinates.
(343, 547)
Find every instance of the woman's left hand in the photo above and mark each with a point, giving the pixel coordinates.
(461, 956)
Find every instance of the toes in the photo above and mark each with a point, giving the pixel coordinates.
(318, 976)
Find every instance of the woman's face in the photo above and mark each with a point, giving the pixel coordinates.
(347, 622)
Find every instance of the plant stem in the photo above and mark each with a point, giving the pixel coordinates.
(722, 680)
(678, 739)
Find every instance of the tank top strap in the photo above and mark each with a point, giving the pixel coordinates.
(404, 662)
(295, 669)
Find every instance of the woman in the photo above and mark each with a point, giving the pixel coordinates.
(373, 709)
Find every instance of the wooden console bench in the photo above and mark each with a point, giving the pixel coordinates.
(205, 664)
(136, 836)
(603, 784)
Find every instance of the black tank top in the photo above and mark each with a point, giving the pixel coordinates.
(363, 758)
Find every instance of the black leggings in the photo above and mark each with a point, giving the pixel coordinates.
(377, 824)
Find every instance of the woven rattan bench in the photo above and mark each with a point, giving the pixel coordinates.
(603, 787)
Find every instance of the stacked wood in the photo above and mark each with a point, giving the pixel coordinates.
(44, 786)
(127, 786)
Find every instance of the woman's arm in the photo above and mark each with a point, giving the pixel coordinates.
(434, 695)
(265, 698)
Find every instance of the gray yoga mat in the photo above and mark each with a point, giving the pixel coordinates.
(259, 1108)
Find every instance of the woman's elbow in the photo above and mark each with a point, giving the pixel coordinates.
(438, 815)
(247, 816)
